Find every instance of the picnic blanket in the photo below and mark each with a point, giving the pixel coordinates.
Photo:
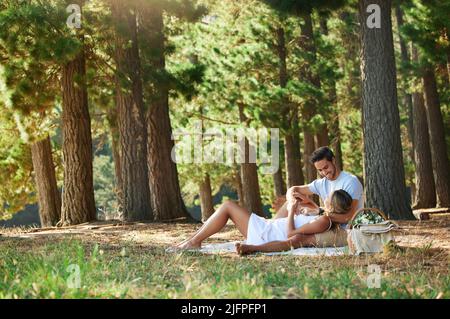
(229, 247)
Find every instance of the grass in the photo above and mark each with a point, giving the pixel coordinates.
(31, 270)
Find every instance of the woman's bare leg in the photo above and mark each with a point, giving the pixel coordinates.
(228, 210)
(296, 241)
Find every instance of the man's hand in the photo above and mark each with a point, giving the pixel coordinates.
(304, 200)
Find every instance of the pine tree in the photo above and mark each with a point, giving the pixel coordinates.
(383, 161)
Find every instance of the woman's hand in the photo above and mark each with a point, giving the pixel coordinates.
(294, 207)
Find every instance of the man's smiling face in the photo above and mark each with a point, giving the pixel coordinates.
(326, 169)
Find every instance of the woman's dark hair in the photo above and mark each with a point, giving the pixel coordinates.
(321, 153)
(341, 201)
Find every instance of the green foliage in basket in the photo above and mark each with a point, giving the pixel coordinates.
(367, 217)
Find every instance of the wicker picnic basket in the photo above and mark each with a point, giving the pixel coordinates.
(370, 237)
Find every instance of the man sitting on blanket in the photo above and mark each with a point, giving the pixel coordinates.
(332, 179)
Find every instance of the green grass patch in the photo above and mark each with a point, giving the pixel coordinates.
(51, 270)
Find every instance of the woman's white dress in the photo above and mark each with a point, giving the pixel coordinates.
(261, 230)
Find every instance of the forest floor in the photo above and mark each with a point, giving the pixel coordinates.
(128, 260)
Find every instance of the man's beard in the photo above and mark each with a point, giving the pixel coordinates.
(333, 174)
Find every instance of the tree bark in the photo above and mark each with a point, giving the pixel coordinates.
(335, 142)
(238, 185)
(425, 195)
(441, 166)
(278, 182)
(78, 204)
(310, 107)
(249, 175)
(206, 200)
(290, 114)
(135, 194)
(407, 98)
(310, 170)
(166, 199)
(47, 189)
(293, 159)
(115, 145)
(383, 160)
(321, 138)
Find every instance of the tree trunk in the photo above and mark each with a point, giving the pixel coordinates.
(335, 133)
(383, 160)
(78, 204)
(278, 182)
(238, 185)
(407, 98)
(115, 145)
(425, 196)
(249, 175)
(165, 192)
(310, 107)
(135, 194)
(206, 200)
(310, 170)
(321, 138)
(290, 114)
(308, 44)
(441, 166)
(293, 160)
(44, 174)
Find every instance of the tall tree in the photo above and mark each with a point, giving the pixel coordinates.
(249, 174)
(115, 145)
(166, 199)
(383, 161)
(206, 200)
(441, 165)
(48, 40)
(309, 109)
(425, 195)
(48, 194)
(427, 26)
(333, 118)
(134, 183)
(78, 204)
(407, 98)
(291, 140)
(406, 101)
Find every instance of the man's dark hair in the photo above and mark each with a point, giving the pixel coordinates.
(321, 153)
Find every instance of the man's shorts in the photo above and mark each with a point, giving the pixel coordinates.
(335, 237)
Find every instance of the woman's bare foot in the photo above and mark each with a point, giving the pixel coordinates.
(188, 244)
(243, 249)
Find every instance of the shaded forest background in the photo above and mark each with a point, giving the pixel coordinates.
(87, 113)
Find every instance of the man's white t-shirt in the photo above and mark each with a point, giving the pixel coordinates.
(345, 181)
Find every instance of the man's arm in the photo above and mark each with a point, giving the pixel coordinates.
(298, 190)
(345, 218)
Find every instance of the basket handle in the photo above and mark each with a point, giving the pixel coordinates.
(376, 210)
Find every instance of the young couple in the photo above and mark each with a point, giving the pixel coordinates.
(299, 222)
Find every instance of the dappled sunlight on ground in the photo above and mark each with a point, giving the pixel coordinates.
(433, 233)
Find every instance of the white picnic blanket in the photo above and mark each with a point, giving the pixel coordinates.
(229, 247)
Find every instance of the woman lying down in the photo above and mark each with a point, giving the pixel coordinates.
(265, 235)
